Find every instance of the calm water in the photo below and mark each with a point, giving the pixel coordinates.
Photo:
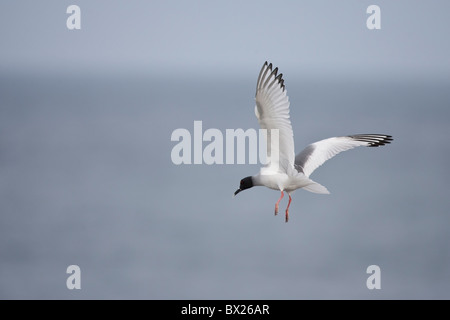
(86, 178)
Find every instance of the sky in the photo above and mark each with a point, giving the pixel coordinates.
(86, 176)
(226, 36)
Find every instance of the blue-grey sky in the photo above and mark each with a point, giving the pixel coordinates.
(210, 37)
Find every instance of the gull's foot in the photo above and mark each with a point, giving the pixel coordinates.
(276, 208)
(287, 215)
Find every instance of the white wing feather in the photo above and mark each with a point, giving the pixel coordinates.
(314, 155)
(272, 112)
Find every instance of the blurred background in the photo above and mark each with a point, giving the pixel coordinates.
(86, 176)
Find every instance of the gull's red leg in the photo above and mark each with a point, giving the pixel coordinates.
(287, 209)
(278, 202)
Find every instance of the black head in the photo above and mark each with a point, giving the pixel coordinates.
(246, 183)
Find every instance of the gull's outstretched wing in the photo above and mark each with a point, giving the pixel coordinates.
(314, 155)
(272, 112)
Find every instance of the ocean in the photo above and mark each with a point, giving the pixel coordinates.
(86, 179)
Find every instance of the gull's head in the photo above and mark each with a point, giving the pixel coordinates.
(246, 183)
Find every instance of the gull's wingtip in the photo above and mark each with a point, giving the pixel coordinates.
(373, 140)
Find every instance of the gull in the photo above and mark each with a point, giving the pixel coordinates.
(289, 172)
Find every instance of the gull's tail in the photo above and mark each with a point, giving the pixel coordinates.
(309, 185)
(316, 188)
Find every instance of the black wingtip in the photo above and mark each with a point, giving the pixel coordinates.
(267, 68)
(373, 140)
(280, 81)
